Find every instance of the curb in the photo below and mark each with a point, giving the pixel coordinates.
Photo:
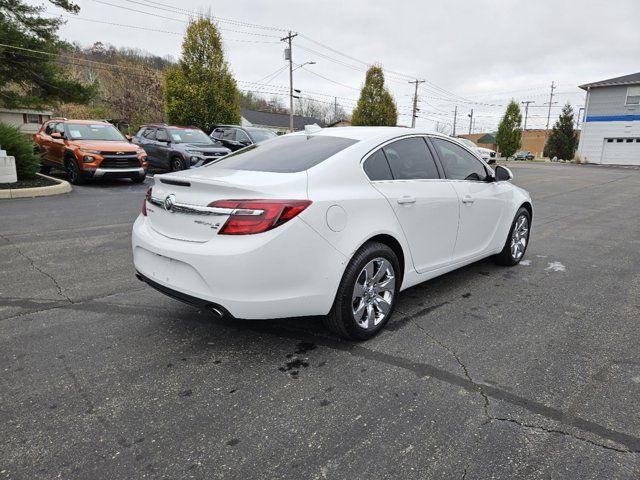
(61, 187)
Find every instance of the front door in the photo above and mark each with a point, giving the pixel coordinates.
(425, 204)
(482, 201)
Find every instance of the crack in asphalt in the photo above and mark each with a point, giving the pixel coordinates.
(33, 265)
(490, 418)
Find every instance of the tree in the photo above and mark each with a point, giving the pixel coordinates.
(375, 105)
(509, 136)
(19, 146)
(29, 78)
(200, 90)
(563, 139)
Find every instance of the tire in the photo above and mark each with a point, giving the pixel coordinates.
(138, 179)
(518, 233)
(176, 164)
(362, 317)
(73, 172)
(45, 169)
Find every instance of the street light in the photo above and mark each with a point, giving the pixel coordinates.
(291, 90)
(305, 63)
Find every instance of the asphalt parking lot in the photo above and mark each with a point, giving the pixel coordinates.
(488, 372)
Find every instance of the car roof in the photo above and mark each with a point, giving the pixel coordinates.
(371, 133)
(82, 122)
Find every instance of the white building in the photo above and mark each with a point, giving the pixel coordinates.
(611, 129)
(27, 120)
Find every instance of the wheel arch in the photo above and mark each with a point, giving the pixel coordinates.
(391, 242)
(527, 205)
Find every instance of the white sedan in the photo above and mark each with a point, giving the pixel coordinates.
(332, 222)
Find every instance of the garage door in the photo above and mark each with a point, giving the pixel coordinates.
(621, 151)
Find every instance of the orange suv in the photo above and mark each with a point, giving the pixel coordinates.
(89, 149)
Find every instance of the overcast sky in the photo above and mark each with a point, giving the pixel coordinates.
(473, 53)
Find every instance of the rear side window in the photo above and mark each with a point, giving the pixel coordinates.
(287, 154)
(459, 164)
(377, 168)
(150, 134)
(411, 159)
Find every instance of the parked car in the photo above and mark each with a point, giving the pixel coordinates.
(332, 222)
(236, 137)
(89, 149)
(177, 148)
(524, 155)
(486, 154)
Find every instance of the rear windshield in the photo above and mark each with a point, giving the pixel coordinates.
(287, 154)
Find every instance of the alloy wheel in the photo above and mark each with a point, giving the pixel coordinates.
(519, 237)
(373, 293)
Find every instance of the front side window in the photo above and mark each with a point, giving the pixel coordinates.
(411, 159)
(633, 96)
(98, 131)
(161, 135)
(242, 137)
(287, 154)
(459, 164)
(377, 168)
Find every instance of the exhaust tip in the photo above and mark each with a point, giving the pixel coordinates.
(216, 311)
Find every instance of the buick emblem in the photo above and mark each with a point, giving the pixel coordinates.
(169, 202)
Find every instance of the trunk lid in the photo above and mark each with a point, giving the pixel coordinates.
(202, 186)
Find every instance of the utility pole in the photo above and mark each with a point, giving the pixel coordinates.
(289, 54)
(526, 113)
(415, 103)
(455, 118)
(335, 109)
(470, 115)
(553, 87)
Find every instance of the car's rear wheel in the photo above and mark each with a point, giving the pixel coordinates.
(73, 172)
(176, 164)
(367, 293)
(517, 240)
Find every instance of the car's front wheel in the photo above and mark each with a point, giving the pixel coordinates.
(367, 293)
(517, 240)
(73, 172)
(176, 164)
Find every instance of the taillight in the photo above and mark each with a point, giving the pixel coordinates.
(144, 202)
(246, 220)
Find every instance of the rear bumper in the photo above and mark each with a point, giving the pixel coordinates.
(287, 272)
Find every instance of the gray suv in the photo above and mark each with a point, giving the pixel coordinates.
(177, 148)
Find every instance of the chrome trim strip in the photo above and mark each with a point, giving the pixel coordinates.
(200, 210)
(99, 172)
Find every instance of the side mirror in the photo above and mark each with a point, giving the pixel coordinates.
(502, 174)
(56, 135)
(128, 137)
(245, 142)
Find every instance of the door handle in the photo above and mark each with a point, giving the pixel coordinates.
(468, 200)
(406, 200)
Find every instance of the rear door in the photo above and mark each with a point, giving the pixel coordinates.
(482, 201)
(426, 204)
(151, 147)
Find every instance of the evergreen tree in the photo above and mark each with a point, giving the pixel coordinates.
(28, 78)
(509, 136)
(563, 139)
(375, 106)
(200, 90)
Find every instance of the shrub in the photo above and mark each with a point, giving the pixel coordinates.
(19, 146)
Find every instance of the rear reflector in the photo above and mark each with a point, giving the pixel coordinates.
(274, 213)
